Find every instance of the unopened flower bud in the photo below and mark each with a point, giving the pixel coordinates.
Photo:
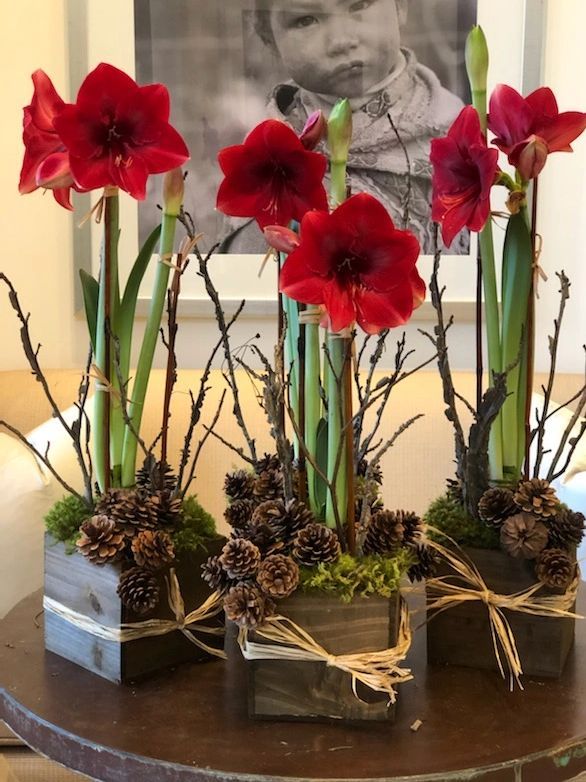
(533, 158)
(173, 188)
(316, 129)
(477, 59)
(340, 131)
(282, 239)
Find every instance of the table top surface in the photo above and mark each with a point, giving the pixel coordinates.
(192, 724)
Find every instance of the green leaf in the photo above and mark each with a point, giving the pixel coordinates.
(91, 291)
(321, 489)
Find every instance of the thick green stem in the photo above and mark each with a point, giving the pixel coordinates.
(292, 358)
(338, 183)
(312, 404)
(336, 473)
(147, 352)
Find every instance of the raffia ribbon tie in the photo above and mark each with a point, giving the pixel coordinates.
(379, 671)
(467, 585)
(538, 272)
(102, 382)
(96, 211)
(186, 624)
(311, 317)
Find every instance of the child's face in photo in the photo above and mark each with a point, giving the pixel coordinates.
(338, 47)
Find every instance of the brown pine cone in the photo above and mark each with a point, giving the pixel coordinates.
(269, 486)
(213, 574)
(267, 537)
(384, 533)
(154, 476)
(270, 461)
(129, 509)
(367, 491)
(153, 549)
(314, 544)
(278, 576)
(426, 564)
(240, 558)
(246, 605)
(297, 516)
(100, 541)
(271, 512)
(566, 529)
(496, 505)
(555, 568)
(413, 527)
(375, 473)
(239, 513)
(167, 507)
(138, 590)
(538, 497)
(523, 536)
(239, 485)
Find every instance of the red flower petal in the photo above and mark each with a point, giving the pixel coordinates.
(542, 103)
(130, 175)
(564, 129)
(296, 282)
(91, 177)
(510, 117)
(46, 103)
(339, 302)
(378, 311)
(78, 133)
(169, 152)
(63, 197)
(54, 171)
(102, 89)
(418, 288)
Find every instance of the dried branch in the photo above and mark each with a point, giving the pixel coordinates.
(407, 202)
(122, 391)
(565, 439)
(209, 430)
(389, 443)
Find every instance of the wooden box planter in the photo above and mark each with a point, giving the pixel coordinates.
(313, 691)
(461, 635)
(90, 590)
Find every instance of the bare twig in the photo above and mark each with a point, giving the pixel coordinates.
(208, 431)
(565, 439)
(122, 389)
(407, 201)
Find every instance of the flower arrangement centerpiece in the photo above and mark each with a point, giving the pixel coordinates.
(310, 576)
(502, 502)
(124, 546)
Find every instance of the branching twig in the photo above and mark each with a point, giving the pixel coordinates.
(209, 430)
(407, 202)
(553, 473)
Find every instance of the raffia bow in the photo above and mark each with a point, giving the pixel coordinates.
(152, 627)
(379, 671)
(467, 585)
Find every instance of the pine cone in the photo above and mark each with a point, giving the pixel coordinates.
(100, 541)
(270, 461)
(239, 485)
(267, 537)
(555, 568)
(538, 497)
(154, 476)
(213, 574)
(367, 491)
(314, 544)
(297, 516)
(496, 505)
(523, 536)
(426, 564)
(240, 558)
(566, 529)
(375, 473)
(129, 509)
(278, 576)
(269, 486)
(454, 490)
(272, 512)
(384, 532)
(239, 513)
(138, 590)
(153, 549)
(413, 528)
(246, 605)
(167, 507)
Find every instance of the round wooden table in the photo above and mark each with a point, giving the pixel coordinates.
(191, 723)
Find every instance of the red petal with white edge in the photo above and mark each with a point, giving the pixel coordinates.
(131, 176)
(102, 89)
(296, 282)
(339, 303)
(168, 153)
(54, 171)
(378, 311)
(46, 102)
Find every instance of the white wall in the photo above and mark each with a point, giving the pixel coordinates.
(37, 251)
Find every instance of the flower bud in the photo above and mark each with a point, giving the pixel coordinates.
(315, 130)
(532, 159)
(477, 59)
(340, 131)
(282, 239)
(173, 188)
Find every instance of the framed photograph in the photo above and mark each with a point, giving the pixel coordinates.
(229, 65)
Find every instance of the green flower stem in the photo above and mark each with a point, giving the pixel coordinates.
(336, 472)
(147, 352)
(312, 404)
(292, 358)
(108, 287)
(338, 181)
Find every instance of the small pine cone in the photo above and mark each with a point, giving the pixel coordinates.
(269, 486)
(297, 516)
(426, 564)
(566, 529)
(265, 536)
(246, 605)
(384, 533)
(239, 485)
(239, 513)
(278, 576)
(129, 509)
(167, 508)
(155, 476)
(240, 558)
(138, 590)
(270, 461)
(100, 541)
(314, 544)
(538, 497)
(271, 512)
(555, 568)
(374, 473)
(523, 536)
(496, 505)
(213, 574)
(153, 549)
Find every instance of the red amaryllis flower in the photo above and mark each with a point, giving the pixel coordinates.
(46, 161)
(527, 129)
(118, 133)
(464, 170)
(271, 176)
(357, 265)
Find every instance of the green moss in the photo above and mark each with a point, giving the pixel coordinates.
(447, 515)
(64, 519)
(350, 577)
(198, 526)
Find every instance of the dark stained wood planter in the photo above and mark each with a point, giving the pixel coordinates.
(90, 589)
(461, 635)
(313, 691)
